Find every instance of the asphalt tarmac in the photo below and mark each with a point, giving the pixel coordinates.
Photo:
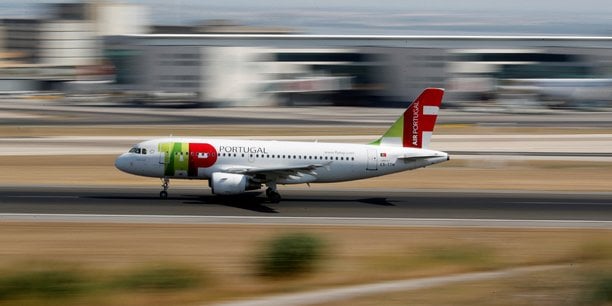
(304, 203)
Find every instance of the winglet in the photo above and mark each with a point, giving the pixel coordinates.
(415, 127)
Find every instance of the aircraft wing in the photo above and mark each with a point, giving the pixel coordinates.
(277, 172)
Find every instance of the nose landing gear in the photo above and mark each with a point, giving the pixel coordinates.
(164, 193)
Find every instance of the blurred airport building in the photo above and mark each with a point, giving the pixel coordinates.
(105, 47)
(274, 69)
(285, 69)
(65, 46)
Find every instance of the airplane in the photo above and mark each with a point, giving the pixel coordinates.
(237, 166)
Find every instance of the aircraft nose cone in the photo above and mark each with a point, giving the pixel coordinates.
(123, 163)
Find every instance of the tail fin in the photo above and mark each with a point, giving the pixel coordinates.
(415, 127)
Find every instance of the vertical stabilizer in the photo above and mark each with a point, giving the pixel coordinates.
(415, 127)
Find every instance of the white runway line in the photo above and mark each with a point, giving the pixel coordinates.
(332, 221)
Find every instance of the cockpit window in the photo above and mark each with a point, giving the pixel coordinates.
(135, 150)
(144, 151)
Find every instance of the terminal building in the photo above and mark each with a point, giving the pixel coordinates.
(107, 47)
(268, 69)
(64, 46)
(272, 70)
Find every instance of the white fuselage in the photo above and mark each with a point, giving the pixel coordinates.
(198, 158)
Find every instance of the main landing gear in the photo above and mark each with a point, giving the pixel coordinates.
(164, 193)
(272, 194)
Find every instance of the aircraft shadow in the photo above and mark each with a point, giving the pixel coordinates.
(253, 199)
(377, 201)
(246, 201)
(372, 201)
(249, 201)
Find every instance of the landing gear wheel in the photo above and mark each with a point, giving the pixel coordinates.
(271, 193)
(274, 197)
(268, 192)
(164, 193)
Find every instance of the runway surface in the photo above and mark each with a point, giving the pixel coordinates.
(377, 207)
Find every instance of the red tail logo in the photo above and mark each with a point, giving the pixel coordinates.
(420, 118)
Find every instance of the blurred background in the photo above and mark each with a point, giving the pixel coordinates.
(527, 120)
(526, 55)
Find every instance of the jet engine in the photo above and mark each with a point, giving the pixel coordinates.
(231, 183)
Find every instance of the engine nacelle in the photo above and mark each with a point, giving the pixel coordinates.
(230, 183)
